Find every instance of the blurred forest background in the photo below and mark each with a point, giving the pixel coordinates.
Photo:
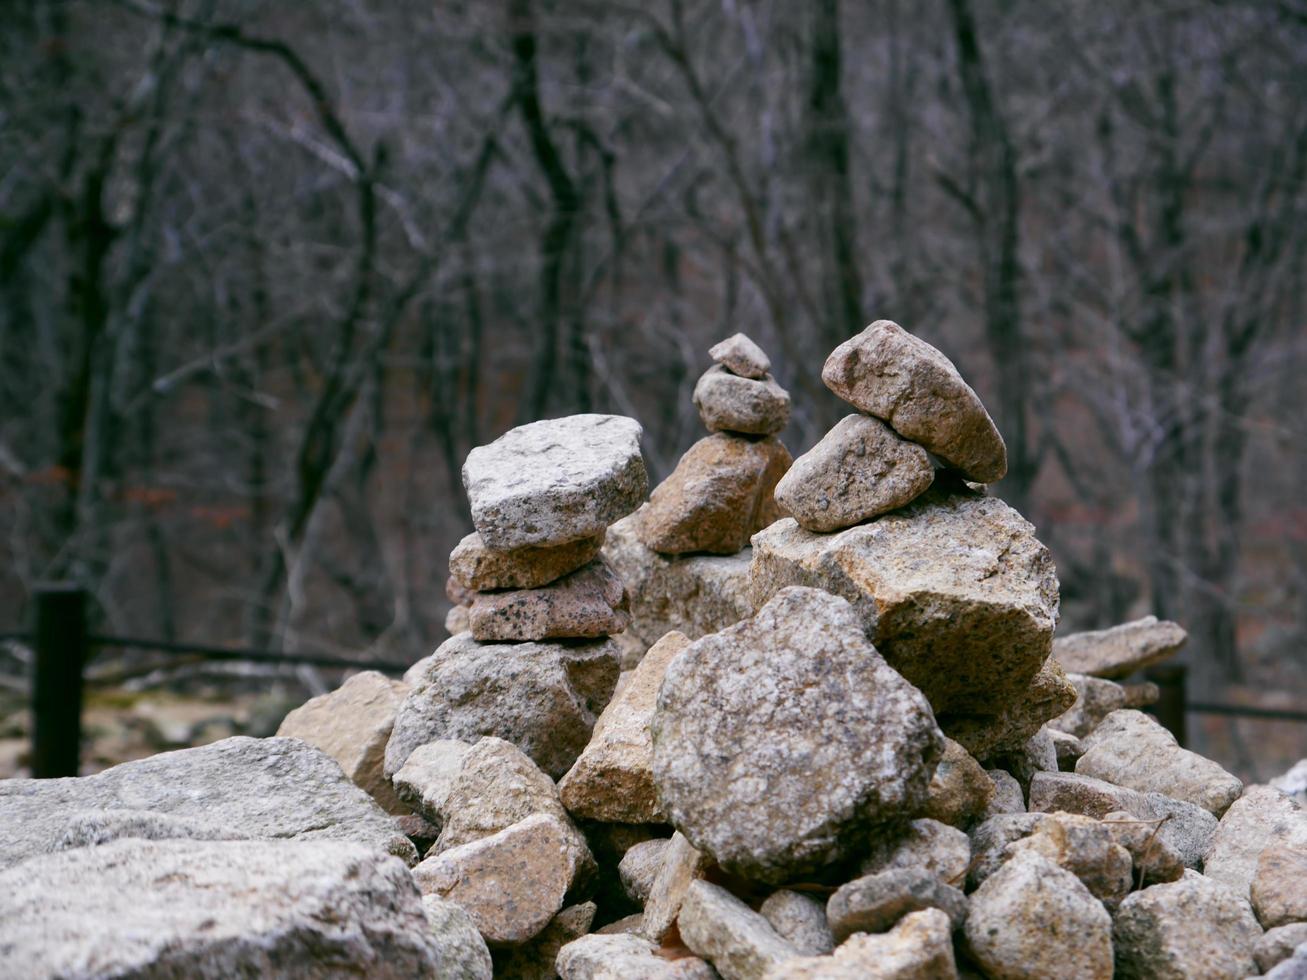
(269, 270)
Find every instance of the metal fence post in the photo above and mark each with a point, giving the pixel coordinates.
(57, 680)
(1170, 707)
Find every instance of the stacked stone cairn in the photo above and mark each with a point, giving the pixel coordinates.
(878, 772)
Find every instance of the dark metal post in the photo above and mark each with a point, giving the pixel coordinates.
(1170, 707)
(57, 680)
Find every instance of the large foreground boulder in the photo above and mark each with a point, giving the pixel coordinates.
(295, 909)
(239, 788)
(955, 591)
(779, 743)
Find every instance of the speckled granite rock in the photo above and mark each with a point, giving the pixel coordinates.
(589, 602)
(730, 403)
(739, 942)
(1120, 650)
(480, 569)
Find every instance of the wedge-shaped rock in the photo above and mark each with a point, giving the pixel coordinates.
(1193, 927)
(613, 778)
(639, 868)
(427, 776)
(587, 603)
(623, 956)
(920, 947)
(1008, 796)
(1032, 918)
(1279, 888)
(874, 903)
(887, 372)
(859, 470)
(1095, 700)
(780, 741)
(719, 494)
(1261, 818)
(735, 939)
(551, 482)
(730, 403)
(937, 848)
(1120, 650)
(242, 788)
(215, 909)
(542, 697)
(740, 355)
(955, 591)
(695, 594)
(511, 883)
(682, 866)
(463, 953)
(800, 921)
(352, 725)
(480, 569)
(1047, 695)
(1131, 749)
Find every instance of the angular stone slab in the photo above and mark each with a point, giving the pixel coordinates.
(739, 942)
(463, 953)
(729, 403)
(1260, 819)
(243, 788)
(542, 697)
(215, 909)
(859, 470)
(587, 603)
(778, 742)
(625, 957)
(480, 569)
(1121, 650)
(719, 494)
(740, 355)
(887, 372)
(955, 591)
(554, 481)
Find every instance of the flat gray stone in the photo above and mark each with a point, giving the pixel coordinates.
(217, 909)
(1120, 650)
(554, 481)
(925, 844)
(242, 788)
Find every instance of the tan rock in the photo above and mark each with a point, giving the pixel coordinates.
(1121, 650)
(1086, 848)
(740, 355)
(352, 724)
(1279, 888)
(800, 920)
(1187, 928)
(1032, 918)
(1131, 749)
(899, 378)
(613, 778)
(511, 883)
(622, 956)
(1263, 817)
(874, 903)
(859, 470)
(1048, 694)
(590, 602)
(535, 960)
(920, 947)
(736, 940)
(682, 865)
(730, 403)
(719, 494)
(1155, 860)
(960, 789)
(1278, 945)
(928, 845)
(954, 590)
(481, 569)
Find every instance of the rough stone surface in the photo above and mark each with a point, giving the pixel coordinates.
(874, 903)
(613, 778)
(91, 828)
(779, 740)
(960, 789)
(511, 883)
(1095, 700)
(536, 959)
(1261, 818)
(954, 590)
(1294, 968)
(1008, 797)
(1038, 754)
(463, 954)
(589, 602)
(800, 921)
(739, 942)
(920, 947)
(1153, 857)
(682, 865)
(1279, 888)
(1120, 650)
(428, 774)
(542, 697)
(554, 481)
(1129, 748)
(990, 840)
(1294, 782)
(481, 569)
(1033, 919)
(1187, 928)
(730, 403)
(1187, 827)
(623, 956)
(887, 372)
(1086, 848)
(1278, 944)
(740, 355)
(696, 594)
(929, 845)
(640, 866)
(1047, 695)
(720, 493)
(214, 909)
(859, 470)
(247, 787)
